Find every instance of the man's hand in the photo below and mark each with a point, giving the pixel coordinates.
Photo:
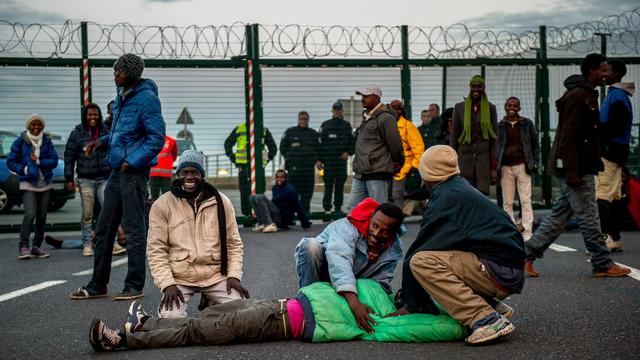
(91, 147)
(33, 157)
(171, 295)
(344, 156)
(71, 186)
(233, 283)
(319, 165)
(399, 312)
(360, 312)
(125, 166)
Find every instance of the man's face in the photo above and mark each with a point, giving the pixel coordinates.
(35, 127)
(599, 76)
(190, 178)
(381, 229)
(397, 107)
(424, 116)
(477, 91)
(303, 121)
(512, 107)
(119, 78)
(280, 178)
(92, 117)
(370, 101)
(433, 112)
(337, 113)
(611, 77)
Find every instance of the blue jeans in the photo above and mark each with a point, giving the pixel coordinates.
(579, 201)
(35, 204)
(378, 190)
(266, 211)
(90, 189)
(124, 201)
(311, 263)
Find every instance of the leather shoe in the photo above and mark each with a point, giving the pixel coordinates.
(528, 268)
(613, 271)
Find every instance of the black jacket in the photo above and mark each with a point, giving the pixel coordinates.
(95, 166)
(576, 147)
(299, 146)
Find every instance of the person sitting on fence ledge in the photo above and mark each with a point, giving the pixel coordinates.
(316, 314)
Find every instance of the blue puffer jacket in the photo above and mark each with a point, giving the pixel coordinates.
(20, 156)
(137, 131)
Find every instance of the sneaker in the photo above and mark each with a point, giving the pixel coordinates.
(135, 318)
(128, 294)
(258, 228)
(118, 250)
(53, 241)
(24, 253)
(484, 334)
(528, 268)
(87, 250)
(614, 271)
(613, 245)
(504, 309)
(102, 338)
(271, 228)
(37, 252)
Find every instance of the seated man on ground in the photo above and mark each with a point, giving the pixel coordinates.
(366, 244)
(193, 244)
(316, 314)
(467, 256)
(278, 212)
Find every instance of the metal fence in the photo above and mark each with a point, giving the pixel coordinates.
(211, 72)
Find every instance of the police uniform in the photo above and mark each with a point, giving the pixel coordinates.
(299, 147)
(336, 138)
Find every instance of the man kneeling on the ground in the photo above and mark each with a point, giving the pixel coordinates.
(316, 314)
(193, 243)
(467, 254)
(365, 244)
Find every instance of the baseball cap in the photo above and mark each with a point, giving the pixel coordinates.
(337, 105)
(370, 90)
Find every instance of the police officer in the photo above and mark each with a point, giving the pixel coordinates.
(240, 158)
(336, 144)
(299, 147)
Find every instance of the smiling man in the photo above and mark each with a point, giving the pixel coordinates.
(366, 244)
(194, 245)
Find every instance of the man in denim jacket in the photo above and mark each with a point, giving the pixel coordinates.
(365, 244)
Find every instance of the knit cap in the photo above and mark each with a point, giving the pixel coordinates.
(31, 118)
(438, 163)
(131, 65)
(193, 158)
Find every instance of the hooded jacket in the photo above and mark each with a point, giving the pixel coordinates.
(576, 147)
(413, 147)
(95, 166)
(183, 245)
(137, 131)
(20, 157)
(616, 120)
(378, 146)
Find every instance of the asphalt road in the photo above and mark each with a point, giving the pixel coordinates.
(565, 313)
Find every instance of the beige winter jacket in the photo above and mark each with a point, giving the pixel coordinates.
(184, 248)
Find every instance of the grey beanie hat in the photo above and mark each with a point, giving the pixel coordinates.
(131, 66)
(193, 158)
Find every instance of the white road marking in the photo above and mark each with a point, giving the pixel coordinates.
(113, 264)
(561, 248)
(30, 289)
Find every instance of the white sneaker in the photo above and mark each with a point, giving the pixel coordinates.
(271, 228)
(258, 228)
(117, 249)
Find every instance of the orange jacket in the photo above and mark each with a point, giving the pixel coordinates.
(167, 156)
(413, 147)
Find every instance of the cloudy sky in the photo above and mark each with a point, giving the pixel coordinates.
(485, 13)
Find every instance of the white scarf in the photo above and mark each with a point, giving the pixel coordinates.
(36, 142)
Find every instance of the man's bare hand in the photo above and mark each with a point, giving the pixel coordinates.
(399, 312)
(172, 295)
(91, 147)
(233, 283)
(360, 312)
(344, 156)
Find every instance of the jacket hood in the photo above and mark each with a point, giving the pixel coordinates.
(629, 87)
(382, 108)
(575, 81)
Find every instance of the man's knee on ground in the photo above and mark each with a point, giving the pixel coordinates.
(311, 247)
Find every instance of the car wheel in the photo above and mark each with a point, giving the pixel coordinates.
(5, 203)
(57, 205)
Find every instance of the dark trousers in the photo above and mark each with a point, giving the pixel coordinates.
(159, 185)
(245, 189)
(124, 201)
(238, 321)
(302, 177)
(335, 175)
(35, 207)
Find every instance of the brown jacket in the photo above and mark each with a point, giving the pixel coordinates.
(184, 248)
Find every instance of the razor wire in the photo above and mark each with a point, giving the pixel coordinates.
(458, 41)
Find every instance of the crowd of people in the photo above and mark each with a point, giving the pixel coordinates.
(468, 255)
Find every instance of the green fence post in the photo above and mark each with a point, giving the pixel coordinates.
(405, 73)
(85, 70)
(444, 89)
(543, 103)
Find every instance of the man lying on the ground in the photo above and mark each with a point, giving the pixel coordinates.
(316, 314)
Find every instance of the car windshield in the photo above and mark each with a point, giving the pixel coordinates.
(6, 140)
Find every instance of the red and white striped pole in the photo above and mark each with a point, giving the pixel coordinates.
(85, 82)
(252, 144)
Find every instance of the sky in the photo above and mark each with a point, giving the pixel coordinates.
(485, 13)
